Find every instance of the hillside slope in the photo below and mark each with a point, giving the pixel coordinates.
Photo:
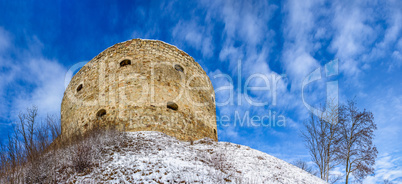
(153, 157)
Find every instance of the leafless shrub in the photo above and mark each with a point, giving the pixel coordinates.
(219, 161)
(20, 157)
(207, 141)
(303, 165)
(35, 152)
(216, 159)
(82, 158)
(36, 171)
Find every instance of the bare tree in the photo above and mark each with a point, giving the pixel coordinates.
(322, 138)
(304, 166)
(357, 151)
(28, 139)
(54, 126)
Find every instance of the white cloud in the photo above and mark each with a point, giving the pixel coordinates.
(29, 79)
(387, 168)
(353, 33)
(48, 79)
(4, 40)
(4, 44)
(300, 27)
(386, 106)
(246, 21)
(310, 30)
(299, 64)
(360, 39)
(197, 36)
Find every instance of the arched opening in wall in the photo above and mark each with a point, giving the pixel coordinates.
(212, 98)
(215, 131)
(125, 62)
(101, 113)
(79, 88)
(172, 105)
(179, 68)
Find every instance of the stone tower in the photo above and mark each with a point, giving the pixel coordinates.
(141, 85)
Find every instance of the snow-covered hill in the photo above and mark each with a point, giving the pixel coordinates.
(153, 157)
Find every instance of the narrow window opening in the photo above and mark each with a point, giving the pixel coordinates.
(215, 131)
(101, 113)
(172, 105)
(179, 68)
(212, 99)
(79, 88)
(125, 62)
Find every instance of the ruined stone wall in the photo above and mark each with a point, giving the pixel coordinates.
(141, 85)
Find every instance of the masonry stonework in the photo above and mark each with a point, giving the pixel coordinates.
(141, 85)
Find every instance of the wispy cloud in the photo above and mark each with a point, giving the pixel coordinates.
(388, 167)
(298, 32)
(28, 78)
(4, 40)
(196, 36)
(289, 38)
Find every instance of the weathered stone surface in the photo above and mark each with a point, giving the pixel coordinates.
(128, 86)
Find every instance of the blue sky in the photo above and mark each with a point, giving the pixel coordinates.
(39, 42)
